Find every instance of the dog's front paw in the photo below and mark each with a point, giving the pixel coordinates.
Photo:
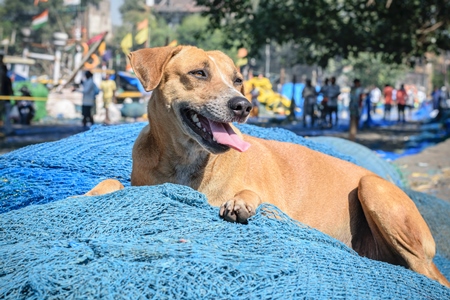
(236, 210)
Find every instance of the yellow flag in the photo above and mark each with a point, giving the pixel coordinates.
(173, 43)
(142, 36)
(126, 43)
(102, 48)
(241, 62)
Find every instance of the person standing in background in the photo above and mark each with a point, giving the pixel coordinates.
(375, 96)
(5, 90)
(324, 103)
(401, 103)
(367, 108)
(309, 96)
(387, 92)
(88, 99)
(356, 98)
(108, 87)
(410, 102)
(333, 94)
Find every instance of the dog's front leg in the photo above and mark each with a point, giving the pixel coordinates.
(241, 207)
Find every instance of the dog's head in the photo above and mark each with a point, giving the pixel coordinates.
(202, 91)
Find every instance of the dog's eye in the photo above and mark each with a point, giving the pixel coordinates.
(198, 73)
(238, 81)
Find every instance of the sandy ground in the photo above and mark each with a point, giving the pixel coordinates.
(429, 170)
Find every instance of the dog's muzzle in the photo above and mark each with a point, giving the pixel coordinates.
(241, 108)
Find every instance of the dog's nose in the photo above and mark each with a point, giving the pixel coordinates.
(240, 106)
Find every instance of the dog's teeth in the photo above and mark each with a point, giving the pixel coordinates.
(204, 129)
(199, 124)
(214, 139)
(195, 118)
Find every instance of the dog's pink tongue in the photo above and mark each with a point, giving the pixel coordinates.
(224, 134)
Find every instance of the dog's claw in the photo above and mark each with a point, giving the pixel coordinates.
(236, 210)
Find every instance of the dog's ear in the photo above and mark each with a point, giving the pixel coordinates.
(148, 64)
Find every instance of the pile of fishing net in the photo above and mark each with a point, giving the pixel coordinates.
(166, 241)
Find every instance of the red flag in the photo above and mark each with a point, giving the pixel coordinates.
(96, 38)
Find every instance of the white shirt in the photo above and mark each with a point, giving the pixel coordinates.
(375, 95)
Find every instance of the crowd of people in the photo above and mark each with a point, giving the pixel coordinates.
(363, 102)
(326, 111)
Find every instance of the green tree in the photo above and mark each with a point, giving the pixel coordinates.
(370, 69)
(193, 31)
(324, 29)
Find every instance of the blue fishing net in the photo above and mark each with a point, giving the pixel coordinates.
(166, 242)
(52, 171)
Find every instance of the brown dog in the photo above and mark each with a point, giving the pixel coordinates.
(190, 141)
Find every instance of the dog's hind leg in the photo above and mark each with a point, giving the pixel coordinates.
(105, 187)
(400, 233)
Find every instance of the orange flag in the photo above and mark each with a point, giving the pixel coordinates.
(142, 25)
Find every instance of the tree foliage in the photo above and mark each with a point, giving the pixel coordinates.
(393, 29)
(193, 31)
(370, 69)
